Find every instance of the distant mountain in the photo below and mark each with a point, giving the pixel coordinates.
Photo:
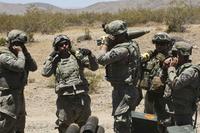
(22, 8)
(112, 6)
(115, 6)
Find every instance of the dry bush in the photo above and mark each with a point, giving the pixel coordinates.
(47, 22)
(86, 36)
(30, 37)
(177, 15)
(51, 83)
(2, 41)
(93, 80)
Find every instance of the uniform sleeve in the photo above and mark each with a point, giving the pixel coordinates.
(90, 62)
(49, 66)
(188, 76)
(16, 64)
(30, 64)
(114, 55)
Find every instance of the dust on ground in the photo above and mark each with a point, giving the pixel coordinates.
(40, 99)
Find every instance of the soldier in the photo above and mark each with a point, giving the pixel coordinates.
(152, 71)
(16, 62)
(67, 65)
(184, 81)
(121, 58)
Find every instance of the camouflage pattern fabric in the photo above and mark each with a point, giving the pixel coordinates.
(183, 47)
(14, 73)
(154, 78)
(119, 61)
(122, 113)
(21, 117)
(117, 73)
(69, 72)
(116, 27)
(72, 109)
(73, 103)
(7, 123)
(17, 36)
(184, 81)
(122, 121)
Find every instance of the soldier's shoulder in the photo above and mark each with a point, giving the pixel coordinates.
(5, 53)
(196, 67)
(4, 50)
(191, 70)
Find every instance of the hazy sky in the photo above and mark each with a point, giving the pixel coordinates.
(60, 3)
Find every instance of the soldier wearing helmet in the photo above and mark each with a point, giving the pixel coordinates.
(184, 82)
(121, 58)
(67, 65)
(16, 62)
(152, 71)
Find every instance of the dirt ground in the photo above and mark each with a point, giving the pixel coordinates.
(40, 99)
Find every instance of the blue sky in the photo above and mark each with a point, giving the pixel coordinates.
(60, 3)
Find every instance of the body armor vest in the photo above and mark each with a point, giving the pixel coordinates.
(150, 69)
(126, 70)
(184, 98)
(69, 73)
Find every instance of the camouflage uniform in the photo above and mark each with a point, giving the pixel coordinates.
(154, 76)
(122, 62)
(14, 71)
(73, 102)
(184, 82)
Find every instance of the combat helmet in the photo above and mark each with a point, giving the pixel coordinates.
(116, 27)
(61, 39)
(16, 36)
(183, 48)
(161, 38)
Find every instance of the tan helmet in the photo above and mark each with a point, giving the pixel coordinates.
(61, 39)
(16, 36)
(116, 27)
(161, 38)
(183, 48)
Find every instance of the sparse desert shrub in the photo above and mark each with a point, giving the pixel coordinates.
(86, 36)
(93, 79)
(31, 80)
(2, 41)
(31, 37)
(51, 83)
(47, 22)
(176, 16)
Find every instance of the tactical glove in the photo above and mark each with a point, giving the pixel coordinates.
(85, 51)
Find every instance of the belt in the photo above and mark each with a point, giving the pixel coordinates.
(72, 90)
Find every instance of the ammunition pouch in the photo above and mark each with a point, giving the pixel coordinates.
(145, 82)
